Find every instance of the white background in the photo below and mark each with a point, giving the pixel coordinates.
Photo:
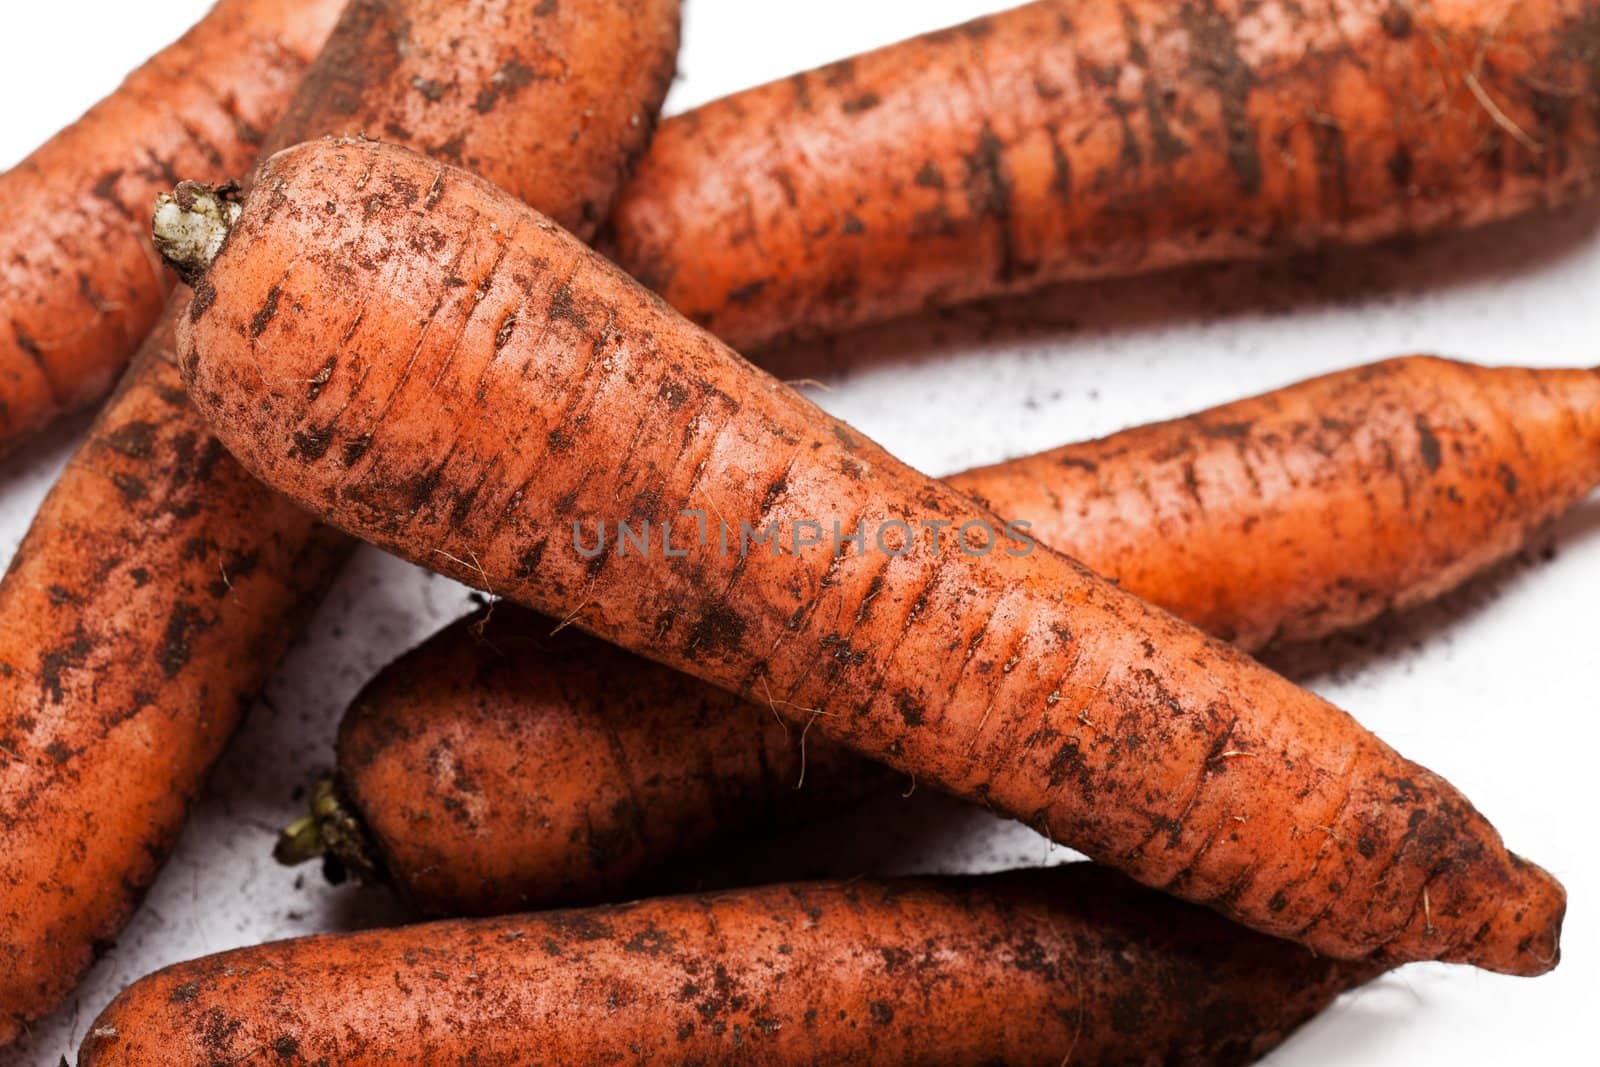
(1495, 688)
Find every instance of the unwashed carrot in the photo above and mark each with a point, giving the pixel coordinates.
(551, 393)
(1317, 507)
(80, 284)
(1064, 140)
(501, 766)
(160, 583)
(1066, 965)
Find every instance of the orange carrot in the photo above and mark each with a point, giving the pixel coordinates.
(552, 392)
(500, 767)
(160, 583)
(1064, 140)
(1317, 507)
(80, 284)
(1040, 967)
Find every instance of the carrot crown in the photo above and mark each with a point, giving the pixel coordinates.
(333, 831)
(191, 224)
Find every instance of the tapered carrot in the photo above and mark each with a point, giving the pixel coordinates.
(159, 583)
(80, 284)
(501, 766)
(551, 393)
(1287, 152)
(1317, 507)
(1064, 140)
(1053, 966)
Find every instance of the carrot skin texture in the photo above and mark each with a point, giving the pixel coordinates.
(500, 766)
(552, 389)
(1064, 141)
(117, 693)
(896, 972)
(80, 284)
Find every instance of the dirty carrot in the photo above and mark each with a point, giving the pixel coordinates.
(1061, 141)
(80, 284)
(551, 394)
(1066, 965)
(160, 583)
(1317, 507)
(501, 766)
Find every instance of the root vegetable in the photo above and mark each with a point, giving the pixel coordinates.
(1317, 507)
(1062, 141)
(501, 766)
(159, 583)
(80, 285)
(1042, 967)
(551, 393)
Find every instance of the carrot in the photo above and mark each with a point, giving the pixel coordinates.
(1061, 141)
(160, 583)
(1070, 964)
(1317, 507)
(552, 393)
(500, 767)
(80, 285)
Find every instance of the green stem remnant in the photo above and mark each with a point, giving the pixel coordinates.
(191, 224)
(332, 831)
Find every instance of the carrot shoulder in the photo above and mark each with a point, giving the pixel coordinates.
(551, 391)
(159, 583)
(80, 285)
(1040, 967)
(1063, 140)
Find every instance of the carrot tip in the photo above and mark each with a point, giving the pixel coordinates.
(1524, 939)
(191, 224)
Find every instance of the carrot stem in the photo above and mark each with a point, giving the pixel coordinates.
(191, 224)
(329, 829)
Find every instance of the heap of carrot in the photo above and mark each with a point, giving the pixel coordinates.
(133, 668)
(393, 329)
